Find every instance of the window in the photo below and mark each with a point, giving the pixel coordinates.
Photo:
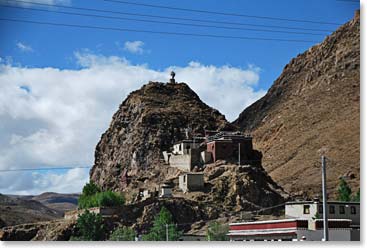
(341, 210)
(321, 209)
(306, 209)
(332, 209)
(353, 210)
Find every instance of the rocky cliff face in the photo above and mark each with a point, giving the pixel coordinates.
(312, 109)
(148, 122)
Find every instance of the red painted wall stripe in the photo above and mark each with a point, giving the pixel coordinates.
(291, 224)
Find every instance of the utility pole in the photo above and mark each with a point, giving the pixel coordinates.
(239, 153)
(324, 200)
(166, 232)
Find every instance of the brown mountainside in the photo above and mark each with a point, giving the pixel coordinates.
(310, 110)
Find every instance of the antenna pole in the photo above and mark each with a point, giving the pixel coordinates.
(324, 200)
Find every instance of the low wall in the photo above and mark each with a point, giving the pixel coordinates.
(183, 162)
(104, 211)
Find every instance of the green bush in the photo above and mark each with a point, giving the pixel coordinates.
(357, 196)
(123, 234)
(109, 199)
(217, 232)
(90, 227)
(344, 191)
(93, 197)
(90, 189)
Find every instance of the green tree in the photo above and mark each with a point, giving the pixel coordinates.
(217, 232)
(90, 227)
(344, 191)
(91, 189)
(123, 234)
(356, 197)
(163, 222)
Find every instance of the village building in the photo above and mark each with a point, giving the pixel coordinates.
(186, 155)
(230, 146)
(291, 230)
(166, 190)
(303, 221)
(196, 152)
(191, 182)
(336, 210)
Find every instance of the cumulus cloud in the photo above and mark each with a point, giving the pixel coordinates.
(23, 47)
(134, 46)
(55, 117)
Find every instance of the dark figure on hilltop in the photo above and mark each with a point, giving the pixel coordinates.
(173, 74)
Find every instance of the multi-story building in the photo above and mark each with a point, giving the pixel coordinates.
(303, 221)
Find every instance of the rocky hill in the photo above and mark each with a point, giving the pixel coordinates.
(15, 210)
(151, 119)
(312, 109)
(148, 122)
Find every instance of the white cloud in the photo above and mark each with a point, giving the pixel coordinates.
(32, 183)
(53, 117)
(134, 46)
(23, 47)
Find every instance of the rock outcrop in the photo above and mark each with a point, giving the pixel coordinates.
(312, 109)
(57, 230)
(148, 122)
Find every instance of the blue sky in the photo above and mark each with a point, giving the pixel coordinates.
(61, 85)
(55, 45)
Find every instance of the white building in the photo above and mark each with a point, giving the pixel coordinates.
(312, 209)
(166, 190)
(290, 230)
(303, 221)
(191, 182)
(184, 146)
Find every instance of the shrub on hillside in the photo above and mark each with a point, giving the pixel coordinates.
(123, 234)
(217, 232)
(90, 227)
(93, 197)
(90, 189)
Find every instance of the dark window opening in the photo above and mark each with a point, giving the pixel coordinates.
(341, 210)
(321, 209)
(306, 209)
(332, 209)
(353, 210)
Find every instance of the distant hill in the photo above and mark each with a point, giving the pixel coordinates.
(18, 209)
(58, 202)
(15, 210)
(313, 108)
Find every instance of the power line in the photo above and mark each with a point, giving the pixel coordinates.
(169, 17)
(161, 22)
(45, 168)
(156, 32)
(220, 13)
